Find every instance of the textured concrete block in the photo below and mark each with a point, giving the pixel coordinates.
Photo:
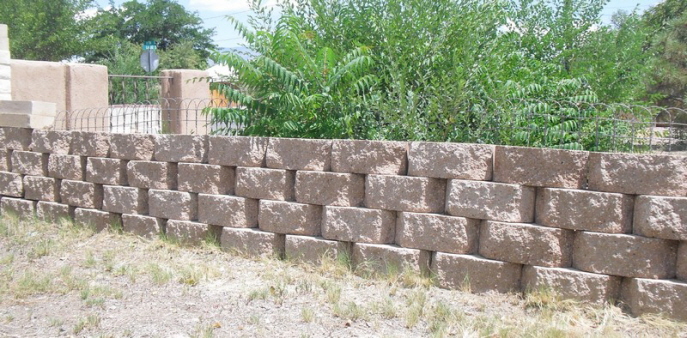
(299, 154)
(585, 210)
(23, 209)
(325, 188)
(144, 226)
(191, 233)
(661, 217)
(125, 200)
(30, 163)
(380, 258)
(526, 244)
(313, 249)
(181, 148)
(540, 167)
(172, 204)
(90, 144)
(16, 138)
(403, 193)
(369, 157)
(270, 184)
(68, 167)
(437, 233)
(54, 142)
(11, 184)
(451, 160)
(681, 270)
(624, 255)
(53, 212)
(229, 211)
(41, 188)
(207, 179)
(475, 274)
(290, 218)
(96, 219)
(490, 201)
(152, 175)
(358, 225)
(252, 242)
(572, 284)
(81, 194)
(237, 151)
(666, 297)
(638, 174)
(110, 171)
(5, 159)
(132, 146)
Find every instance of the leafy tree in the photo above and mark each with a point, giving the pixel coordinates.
(45, 30)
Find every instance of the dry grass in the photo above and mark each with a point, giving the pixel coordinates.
(94, 276)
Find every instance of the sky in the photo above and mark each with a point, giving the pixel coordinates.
(213, 13)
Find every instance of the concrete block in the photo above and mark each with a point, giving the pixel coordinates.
(370, 157)
(270, 184)
(4, 43)
(681, 270)
(358, 225)
(624, 255)
(152, 175)
(437, 233)
(90, 144)
(290, 218)
(11, 184)
(451, 160)
(632, 174)
(144, 226)
(96, 219)
(191, 233)
(326, 188)
(403, 193)
(23, 209)
(81, 194)
(125, 200)
(39, 188)
(16, 138)
(572, 284)
(381, 258)
(5, 159)
(132, 146)
(27, 109)
(110, 171)
(87, 86)
(172, 204)
(299, 154)
(5, 60)
(40, 81)
(181, 148)
(526, 244)
(237, 151)
(30, 163)
(68, 167)
(540, 167)
(54, 142)
(661, 217)
(252, 242)
(475, 274)
(490, 201)
(5, 71)
(53, 212)
(206, 179)
(585, 210)
(643, 296)
(229, 211)
(26, 121)
(312, 250)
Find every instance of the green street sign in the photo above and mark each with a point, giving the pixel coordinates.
(150, 45)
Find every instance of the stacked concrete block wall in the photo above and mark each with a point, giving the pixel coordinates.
(596, 227)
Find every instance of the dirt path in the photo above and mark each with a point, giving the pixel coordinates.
(60, 280)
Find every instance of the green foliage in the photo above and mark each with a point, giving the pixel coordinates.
(669, 69)
(44, 30)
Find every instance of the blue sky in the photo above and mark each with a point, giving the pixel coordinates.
(213, 12)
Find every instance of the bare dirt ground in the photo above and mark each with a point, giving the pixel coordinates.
(62, 280)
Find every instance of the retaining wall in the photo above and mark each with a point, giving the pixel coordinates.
(594, 226)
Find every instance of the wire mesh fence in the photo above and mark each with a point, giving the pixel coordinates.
(565, 125)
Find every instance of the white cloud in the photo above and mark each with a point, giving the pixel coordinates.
(219, 5)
